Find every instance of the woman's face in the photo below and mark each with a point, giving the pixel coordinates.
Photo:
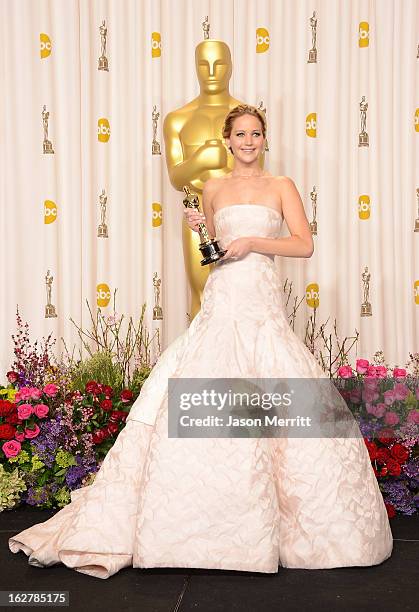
(246, 139)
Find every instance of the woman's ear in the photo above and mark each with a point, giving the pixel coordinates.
(227, 144)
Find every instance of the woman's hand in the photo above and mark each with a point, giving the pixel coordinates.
(193, 218)
(238, 248)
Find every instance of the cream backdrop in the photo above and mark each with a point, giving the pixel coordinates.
(50, 52)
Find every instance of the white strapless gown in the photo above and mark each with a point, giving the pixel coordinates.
(234, 504)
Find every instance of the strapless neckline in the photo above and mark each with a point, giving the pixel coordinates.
(258, 205)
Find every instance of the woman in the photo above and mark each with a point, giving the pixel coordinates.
(226, 503)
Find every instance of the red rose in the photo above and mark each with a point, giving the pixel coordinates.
(12, 376)
(386, 437)
(106, 405)
(7, 431)
(390, 510)
(372, 449)
(6, 407)
(108, 391)
(394, 467)
(99, 436)
(112, 428)
(92, 387)
(383, 471)
(382, 455)
(126, 395)
(400, 453)
(13, 419)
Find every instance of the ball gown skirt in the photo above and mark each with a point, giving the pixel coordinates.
(249, 504)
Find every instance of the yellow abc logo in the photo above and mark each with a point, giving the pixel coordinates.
(50, 211)
(312, 295)
(364, 207)
(45, 45)
(417, 120)
(311, 125)
(155, 44)
(103, 295)
(416, 291)
(103, 130)
(364, 34)
(157, 214)
(262, 40)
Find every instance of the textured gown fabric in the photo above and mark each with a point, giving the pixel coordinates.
(234, 504)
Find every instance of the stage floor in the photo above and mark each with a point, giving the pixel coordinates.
(388, 587)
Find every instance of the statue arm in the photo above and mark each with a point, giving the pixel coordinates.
(180, 171)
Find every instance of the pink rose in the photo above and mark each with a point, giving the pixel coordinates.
(389, 397)
(381, 371)
(51, 390)
(11, 448)
(413, 416)
(20, 436)
(377, 410)
(345, 371)
(41, 410)
(399, 373)
(24, 393)
(32, 433)
(35, 393)
(391, 418)
(355, 396)
(372, 371)
(400, 391)
(24, 411)
(362, 365)
(369, 394)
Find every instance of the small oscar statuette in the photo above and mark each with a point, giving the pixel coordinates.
(102, 229)
(209, 247)
(366, 310)
(263, 110)
(363, 136)
(47, 145)
(155, 147)
(312, 54)
(157, 310)
(313, 224)
(206, 28)
(103, 60)
(417, 218)
(49, 308)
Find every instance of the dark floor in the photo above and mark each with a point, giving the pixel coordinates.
(392, 586)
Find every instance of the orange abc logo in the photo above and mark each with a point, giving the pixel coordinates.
(50, 211)
(311, 125)
(103, 130)
(103, 295)
(364, 34)
(45, 45)
(364, 207)
(262, 40)
(155, 44)
(312, 295)
(416, 291)
(157, 214)
(417, 120)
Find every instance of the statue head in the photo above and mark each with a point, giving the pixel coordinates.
(213, 65)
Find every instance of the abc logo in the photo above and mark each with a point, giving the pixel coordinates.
(312, 295)
(50, 211)
(311, 125)
(262, 40)
(103, 130)
(364, 34)
(157, 215)
(417, 120)
(364, 207)
(45, 45)
(155, 44)
(103, 295)
(416, 291)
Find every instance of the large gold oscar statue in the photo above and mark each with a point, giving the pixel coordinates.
(194, 147)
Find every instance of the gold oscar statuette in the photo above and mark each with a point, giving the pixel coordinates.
(313, 224)
(157, 310)
(102, 230)
(49, 308)
(155, 146)
(366, 310)
(312, 54)
(208, 246)
(103, 60)
(417, 218)
(47, 144)
(363, 136)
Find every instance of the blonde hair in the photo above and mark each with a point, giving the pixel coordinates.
(239, 111)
